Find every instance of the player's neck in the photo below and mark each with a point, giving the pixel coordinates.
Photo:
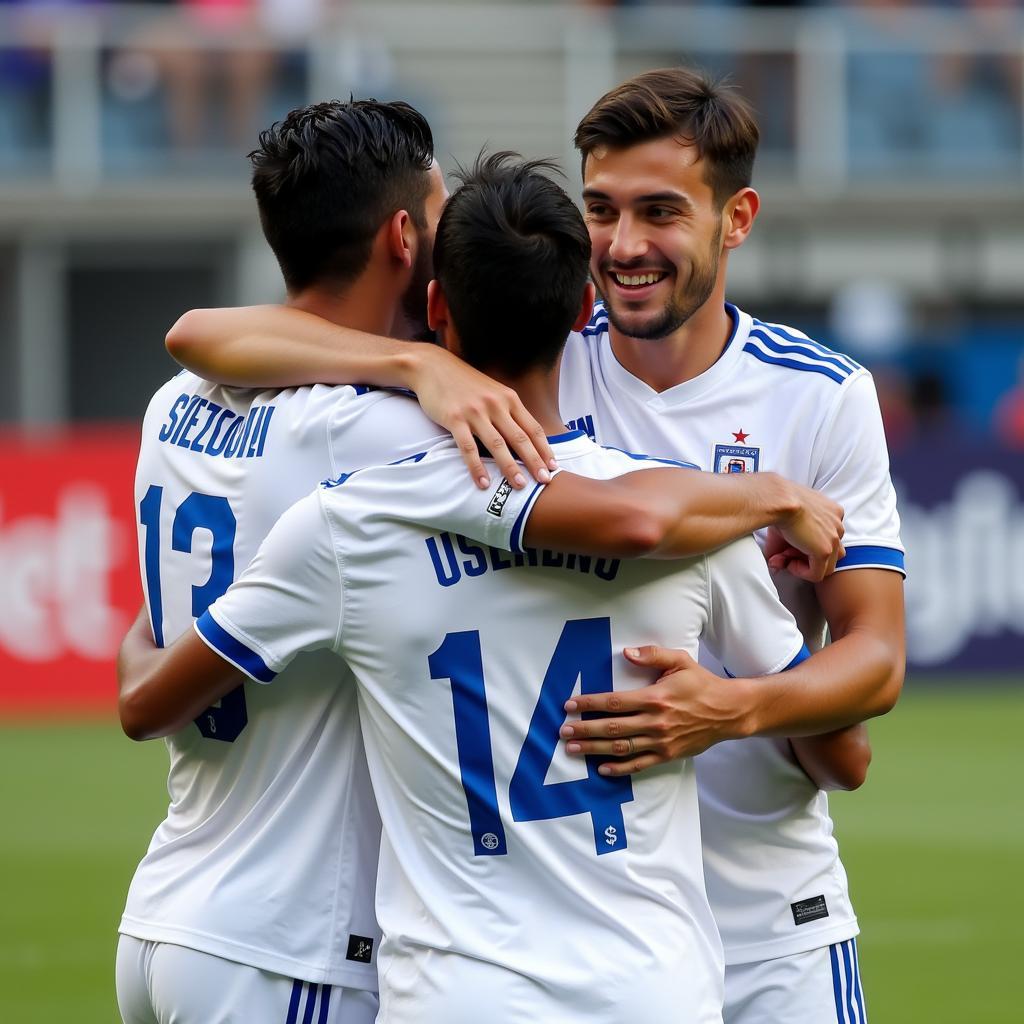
(662, 363)
(361, 308)
(538, 391)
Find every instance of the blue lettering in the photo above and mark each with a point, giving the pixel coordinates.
(184, 420)
(249, 420)
(256, 431)
(479, 564)
(214, 409)
(211, 445)
(193, 419)
(498, 559)
(232, 438)
(607, 568)
(172, 421)
(452, 576)
(530, 558)
(265, 429)
(552, 559)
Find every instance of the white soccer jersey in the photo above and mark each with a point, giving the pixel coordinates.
(516, 883)
(268, 852)
(775, 400)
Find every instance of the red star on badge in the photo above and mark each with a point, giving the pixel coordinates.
(740, 436)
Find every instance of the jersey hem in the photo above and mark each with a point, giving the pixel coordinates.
(249, 956)
(775, 948)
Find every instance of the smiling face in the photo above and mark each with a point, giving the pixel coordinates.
(656, 232)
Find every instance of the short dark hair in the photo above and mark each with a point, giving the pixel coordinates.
(327, 177)
(681, 102)
(511, 255)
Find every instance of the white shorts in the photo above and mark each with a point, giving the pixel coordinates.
(819, 987)
(160, 983)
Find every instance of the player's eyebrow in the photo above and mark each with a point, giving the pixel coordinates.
(668, 196)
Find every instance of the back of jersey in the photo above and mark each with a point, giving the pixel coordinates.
(513, 875)
(268, 851)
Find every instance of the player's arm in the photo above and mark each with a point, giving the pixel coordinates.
(163, 689)
(837, 760)
(278, 346)
(288, 600)
(688, 709)
(677, 513)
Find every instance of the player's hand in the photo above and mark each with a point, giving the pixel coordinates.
(685, 711)
(810, 541)
(470, 405)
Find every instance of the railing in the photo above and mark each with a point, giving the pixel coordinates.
(848, 98)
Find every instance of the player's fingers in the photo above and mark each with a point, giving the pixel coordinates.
(471, 455)
(664, 658)
(622, 747)
(484, 428)
(634, 764)
(614, 702)
(534, 450)
(524, 447)
(625, 728)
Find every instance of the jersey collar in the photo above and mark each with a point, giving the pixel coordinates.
(720, 370)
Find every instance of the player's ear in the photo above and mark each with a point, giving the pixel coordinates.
(401, 238)
(586, 307)
(738, 217)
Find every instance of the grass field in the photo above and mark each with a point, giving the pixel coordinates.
(934, 846)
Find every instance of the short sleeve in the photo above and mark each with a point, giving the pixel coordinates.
(852, 467)
(432, 489)
(749, 630)
(288, 600)
(378, 428)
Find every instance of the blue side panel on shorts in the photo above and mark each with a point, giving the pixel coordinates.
(846, 987)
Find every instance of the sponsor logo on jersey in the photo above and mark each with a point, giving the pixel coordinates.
(360, 949)
(736, 458)
(500, 496)
(809, 910)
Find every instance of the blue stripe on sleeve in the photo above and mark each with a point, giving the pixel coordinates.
(872, 557)
(233, 650)
(782, 332)
(516, 540)
(791, 364)
(795, 348)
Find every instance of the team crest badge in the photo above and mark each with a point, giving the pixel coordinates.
(736, 458)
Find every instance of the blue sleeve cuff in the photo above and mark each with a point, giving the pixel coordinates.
(869, 557)
(232, 650)
(519, 528)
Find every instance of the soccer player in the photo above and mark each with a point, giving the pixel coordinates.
(254, 900)
(668, 366)
(515, 881)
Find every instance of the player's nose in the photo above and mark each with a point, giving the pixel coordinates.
(628, 242)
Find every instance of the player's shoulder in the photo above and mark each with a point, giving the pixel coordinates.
(788, 355)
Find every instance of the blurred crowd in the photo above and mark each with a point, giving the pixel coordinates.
(186, 85)
(188, 75)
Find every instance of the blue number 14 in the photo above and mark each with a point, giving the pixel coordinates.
(583, 652)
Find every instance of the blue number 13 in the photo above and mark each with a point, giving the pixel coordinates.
(584, 652)
(197, 512)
